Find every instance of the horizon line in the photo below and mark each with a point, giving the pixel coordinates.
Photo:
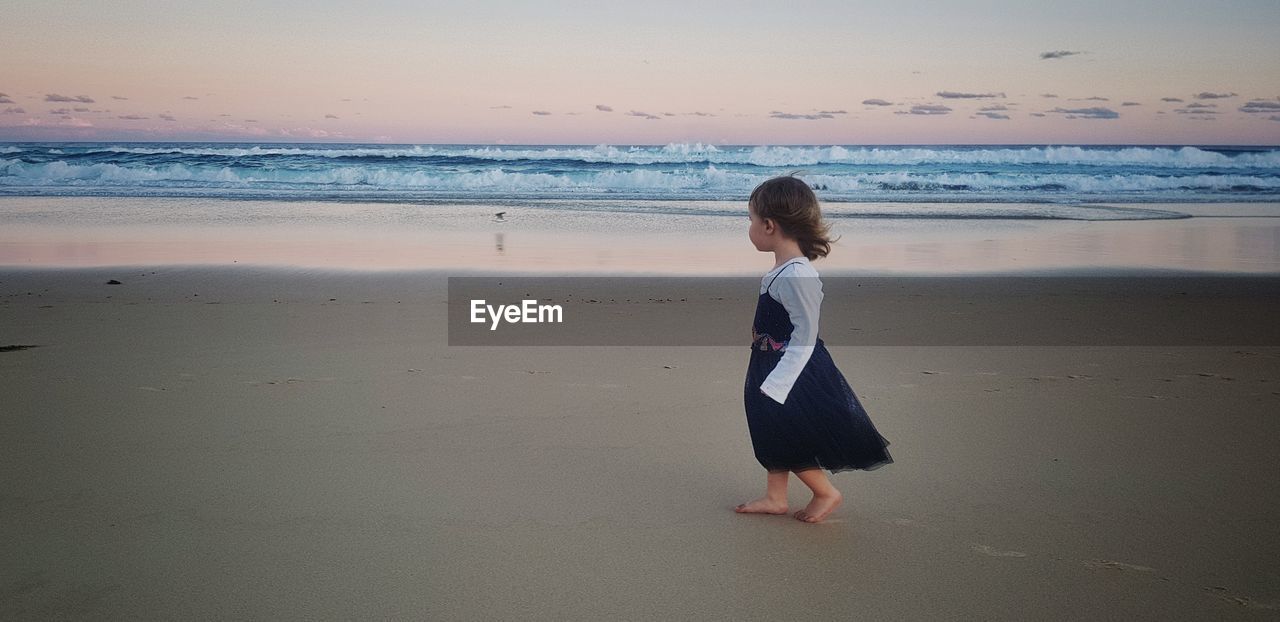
(630, 144)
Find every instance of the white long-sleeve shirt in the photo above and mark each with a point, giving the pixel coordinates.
(799, 289)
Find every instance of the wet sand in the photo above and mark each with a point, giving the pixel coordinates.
(255, 443)
(532, 239)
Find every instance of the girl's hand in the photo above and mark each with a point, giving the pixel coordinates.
(769, 396)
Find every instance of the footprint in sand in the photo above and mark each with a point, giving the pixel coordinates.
(16, 348)
(986, 550)
(1098, 564)
(152, 389)
(1243, 601)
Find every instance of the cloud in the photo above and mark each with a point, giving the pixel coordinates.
(59, 111)
(1051, 95)
(1058, 54)
(1095, 98)
(1199, 105)
(4, 99)
(1261, 105)
(167, 117)
(502, 107)
(541, 113)
(250, 120)
(331, 116)
(1171, 99)
(13, 110)
(80, 110)
(929, 109)
(1197, 118)
(833, 112)
(1274, 117)
(1037, 114)
(54, 97)
(700, 114)
(643, 115)
(994, 115)
(776, 114)
(307, 132)
(130, 117)
(65, 122)
(1088, 113)
(189, 97)
(1193, 109)
(955, 95)
(1208, 95)
(118, 97)
(1131, 104)
(604, 108)
(993, 107)
(875, 102)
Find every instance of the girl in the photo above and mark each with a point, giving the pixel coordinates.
(801, 413)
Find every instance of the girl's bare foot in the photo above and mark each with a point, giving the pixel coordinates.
(763, 505)
(820, 507)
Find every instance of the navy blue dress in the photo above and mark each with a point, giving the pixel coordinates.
(822, 424)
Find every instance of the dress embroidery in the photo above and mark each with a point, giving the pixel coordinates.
(766, 343)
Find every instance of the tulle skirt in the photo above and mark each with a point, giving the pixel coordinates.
(821, 425)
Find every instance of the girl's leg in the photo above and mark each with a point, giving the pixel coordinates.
(774, 500)
(825, 496)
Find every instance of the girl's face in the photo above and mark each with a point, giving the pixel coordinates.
(762, 239)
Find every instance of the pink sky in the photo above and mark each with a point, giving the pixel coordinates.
(571, 73)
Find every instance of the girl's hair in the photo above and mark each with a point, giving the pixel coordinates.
(791, 203)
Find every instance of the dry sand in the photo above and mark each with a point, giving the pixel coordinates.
(234, 444)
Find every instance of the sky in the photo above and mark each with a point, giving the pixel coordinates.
(822, 73)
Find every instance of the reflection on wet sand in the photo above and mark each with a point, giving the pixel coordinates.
(528, 240)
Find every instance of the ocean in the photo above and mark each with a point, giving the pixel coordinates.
(1040, 174)
(678, 208)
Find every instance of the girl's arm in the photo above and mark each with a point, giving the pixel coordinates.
(801, 296)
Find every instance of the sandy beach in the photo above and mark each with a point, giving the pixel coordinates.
(279, 444)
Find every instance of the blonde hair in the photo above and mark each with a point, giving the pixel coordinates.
(791, 203)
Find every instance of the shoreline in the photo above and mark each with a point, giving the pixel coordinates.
(85, 232)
